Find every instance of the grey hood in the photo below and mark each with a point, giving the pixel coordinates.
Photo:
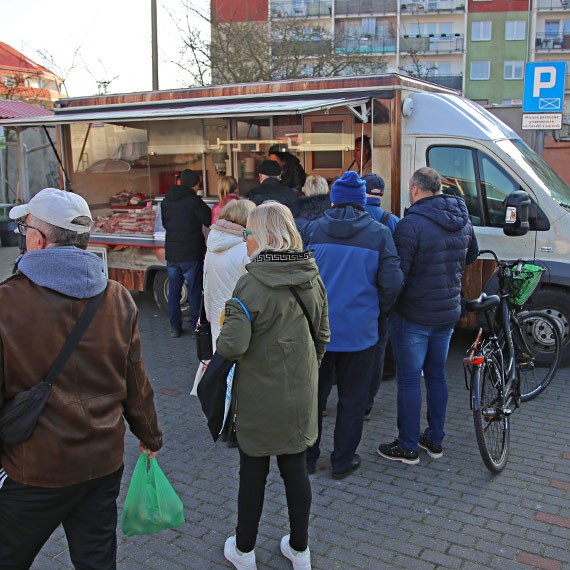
(65, 269)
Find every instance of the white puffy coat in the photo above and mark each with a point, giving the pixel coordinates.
(225, 262)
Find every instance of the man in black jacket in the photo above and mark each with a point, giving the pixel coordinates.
(183, 215)
(270, 187)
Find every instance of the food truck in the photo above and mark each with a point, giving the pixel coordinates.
(121, 152)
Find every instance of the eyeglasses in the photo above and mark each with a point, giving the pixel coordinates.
(246, 233)
(23, 228)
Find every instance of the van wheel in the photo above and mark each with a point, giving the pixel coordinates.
(555, 302)
(160, 291)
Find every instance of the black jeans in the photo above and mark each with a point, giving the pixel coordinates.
(378, 369)
(353, 372)
(88, 512)
(253, 473)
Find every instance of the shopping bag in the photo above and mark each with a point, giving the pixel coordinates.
(212, 392)
(199, 373)
(151, 504)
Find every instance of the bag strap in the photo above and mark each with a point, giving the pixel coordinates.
(74, 337)
(305, 312)
(385, 217)
(243, 307)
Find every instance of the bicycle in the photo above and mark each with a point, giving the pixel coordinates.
(512, 362)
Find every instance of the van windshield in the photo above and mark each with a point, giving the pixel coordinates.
(538, 169)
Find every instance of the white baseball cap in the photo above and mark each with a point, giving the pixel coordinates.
(56, 207)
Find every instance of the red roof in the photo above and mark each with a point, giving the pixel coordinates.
(21, 110)
(13, 59)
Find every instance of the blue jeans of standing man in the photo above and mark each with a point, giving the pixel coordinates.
(353, 372)
(378, 369)
(192, 273)
(416, 348)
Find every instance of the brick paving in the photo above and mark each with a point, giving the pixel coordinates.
(449, 513)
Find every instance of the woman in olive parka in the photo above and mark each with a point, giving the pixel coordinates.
(274, 400)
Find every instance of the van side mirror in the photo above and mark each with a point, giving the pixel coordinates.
(516, 214)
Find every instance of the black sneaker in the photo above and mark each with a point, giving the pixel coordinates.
(395, 452)
(353, 467)
(175, 333)
(434, 451)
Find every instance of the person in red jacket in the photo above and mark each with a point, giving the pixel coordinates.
(227, 190)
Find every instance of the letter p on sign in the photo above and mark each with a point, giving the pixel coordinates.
(539, 73)
(544, 87)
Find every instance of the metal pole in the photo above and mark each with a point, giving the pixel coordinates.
(154, 45)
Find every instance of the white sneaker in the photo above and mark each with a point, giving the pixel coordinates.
(300, 560)
(241, 560)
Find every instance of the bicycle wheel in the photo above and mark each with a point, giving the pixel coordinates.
(538, 349)
(492, 426)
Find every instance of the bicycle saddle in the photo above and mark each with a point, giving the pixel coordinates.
(483, 303)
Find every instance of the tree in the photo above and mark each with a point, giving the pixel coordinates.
(239, 51)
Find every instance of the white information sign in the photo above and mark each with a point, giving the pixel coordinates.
(544, 121)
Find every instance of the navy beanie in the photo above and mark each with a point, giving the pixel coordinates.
(374, 184)
(349, 188)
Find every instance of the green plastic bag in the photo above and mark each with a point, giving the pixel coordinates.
(151, 503)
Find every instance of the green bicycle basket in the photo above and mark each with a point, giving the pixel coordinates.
(523, 285)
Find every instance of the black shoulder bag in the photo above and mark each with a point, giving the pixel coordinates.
(19, 416)
(204, 349)
(305, 312)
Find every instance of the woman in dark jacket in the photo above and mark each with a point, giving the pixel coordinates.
(314, 203)
(274, 400)
(292, 173)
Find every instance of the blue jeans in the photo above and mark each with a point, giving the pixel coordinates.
(416, 348)
(353, 372)
(192, 273)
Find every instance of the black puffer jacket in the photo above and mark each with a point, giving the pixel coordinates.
(183, 215)
(435, 241)
(293, 174)
(309, 208)
(271, 189)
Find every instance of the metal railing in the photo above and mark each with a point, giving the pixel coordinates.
(301, 9)
(300, 47)
(549, 41)
(451, 81)
(425, 6)
(365, 45)
(553, 5)
(356, 7)
(432, 43)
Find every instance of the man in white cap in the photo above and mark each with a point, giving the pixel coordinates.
(69, 470)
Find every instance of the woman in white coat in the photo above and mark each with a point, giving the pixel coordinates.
(225, 262)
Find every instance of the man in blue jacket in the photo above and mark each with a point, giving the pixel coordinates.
(360, 268)
(374, 193)
(435, 241)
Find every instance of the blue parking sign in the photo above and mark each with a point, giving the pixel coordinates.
(544, 87)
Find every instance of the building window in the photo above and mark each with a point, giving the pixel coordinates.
(514, 69)
(368, 27)
(480, 70)
(481, 31)
(515, 30)
(9, 80)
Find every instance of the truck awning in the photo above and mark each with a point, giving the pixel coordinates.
(250, 109)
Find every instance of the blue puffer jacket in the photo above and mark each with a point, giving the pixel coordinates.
(359, 266)
(435, 240)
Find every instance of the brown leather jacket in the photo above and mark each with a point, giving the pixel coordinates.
(80, 433)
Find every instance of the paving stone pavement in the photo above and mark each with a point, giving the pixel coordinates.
(449, 513)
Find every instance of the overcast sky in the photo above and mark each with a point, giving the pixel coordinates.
(114, 38)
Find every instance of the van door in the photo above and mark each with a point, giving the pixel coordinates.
(470, 171)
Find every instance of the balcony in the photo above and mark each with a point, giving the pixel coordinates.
(367, 45)
(432, 44)
(301, 9)
(552, 42)
(553, 5)
(429, 6)
(364, 7)
(295, 48)
(450, 81)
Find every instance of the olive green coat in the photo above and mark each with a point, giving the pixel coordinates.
(274, 401)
